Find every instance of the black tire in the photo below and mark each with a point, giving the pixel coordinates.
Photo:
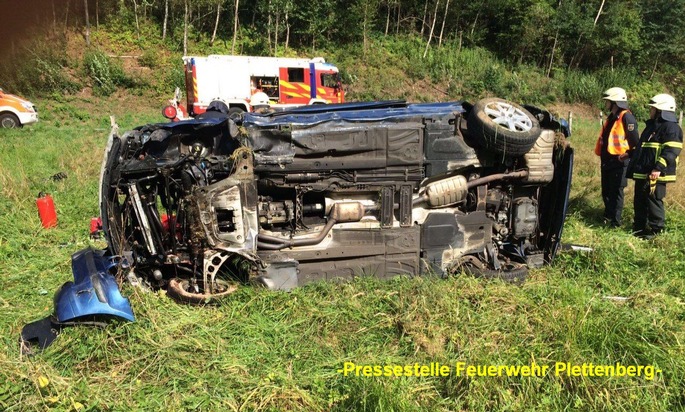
(503, 126)
(235, 114)
(515, 274)
(9, 121)
(179, 290)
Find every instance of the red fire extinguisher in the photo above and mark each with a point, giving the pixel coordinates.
(46, 210)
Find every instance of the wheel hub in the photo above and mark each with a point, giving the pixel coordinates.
(508, 116)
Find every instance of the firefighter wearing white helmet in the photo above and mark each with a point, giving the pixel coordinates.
(260, 103)
(618, 138)
(653, 165)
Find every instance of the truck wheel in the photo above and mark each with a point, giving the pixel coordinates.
(503, 126)
(9, 121)
(235, 113)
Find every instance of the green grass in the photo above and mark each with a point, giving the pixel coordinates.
(275, 351)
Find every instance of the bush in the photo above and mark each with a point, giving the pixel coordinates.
(39, 68)
(105, 75)
(150, 59)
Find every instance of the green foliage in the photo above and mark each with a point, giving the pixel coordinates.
(105, 74)
(39, 69)
(149, 59)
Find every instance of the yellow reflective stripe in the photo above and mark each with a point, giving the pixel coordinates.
(291, 94)
(305, 86)
(662, 161)
(670, 178)
(320, 90)
(287, 85)
(639, 176)
(677, 145)
(653, 145)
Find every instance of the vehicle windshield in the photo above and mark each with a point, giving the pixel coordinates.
(331, 79)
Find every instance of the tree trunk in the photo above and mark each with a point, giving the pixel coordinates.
(444, 17)
(66, 17)
(166, 19)
(475, 21)
(85, 6)
(268, 28)
(364, 26)
(397, 28)
(551, 57)
(599, 12)
(135, 13)
(423, 21)
(216, 23)
(97, 14)
(54, 17)
(235, 26)
(430, 36)
(287, 30)
(278, 16)
(185, 28)
(387, 20)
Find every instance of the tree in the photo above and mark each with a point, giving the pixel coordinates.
(235, 26)
(216, 22)
(85, 7)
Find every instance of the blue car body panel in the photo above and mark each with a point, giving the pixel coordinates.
(94, 290)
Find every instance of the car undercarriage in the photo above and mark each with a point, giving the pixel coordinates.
(336, 191)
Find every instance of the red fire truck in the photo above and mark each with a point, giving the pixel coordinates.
(288, 82)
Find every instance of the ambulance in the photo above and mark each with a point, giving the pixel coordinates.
(288, 82)
(16, 111)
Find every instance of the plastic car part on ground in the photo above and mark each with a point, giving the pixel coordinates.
(92, 298)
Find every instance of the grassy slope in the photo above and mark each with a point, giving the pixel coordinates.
(264, 350)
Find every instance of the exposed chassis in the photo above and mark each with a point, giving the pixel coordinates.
(326, 192)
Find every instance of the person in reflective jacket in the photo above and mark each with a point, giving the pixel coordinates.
(618, 138)
(653, 165)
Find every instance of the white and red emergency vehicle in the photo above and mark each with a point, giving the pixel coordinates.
(288, 82)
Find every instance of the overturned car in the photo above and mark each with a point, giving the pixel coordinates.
(334, 191)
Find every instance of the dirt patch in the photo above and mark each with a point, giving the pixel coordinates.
(583, 111)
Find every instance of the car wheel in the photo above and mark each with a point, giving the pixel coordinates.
(9, 121)
(515, 273)
(503, 126)
(182, 291)
(235, 113)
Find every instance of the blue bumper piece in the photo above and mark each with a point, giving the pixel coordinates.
(94, 290)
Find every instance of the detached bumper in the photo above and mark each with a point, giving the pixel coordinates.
(93, 292)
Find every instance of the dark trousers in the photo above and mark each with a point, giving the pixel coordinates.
(613, 182)
(649, 207)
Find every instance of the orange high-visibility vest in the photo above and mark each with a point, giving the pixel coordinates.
(617, 142)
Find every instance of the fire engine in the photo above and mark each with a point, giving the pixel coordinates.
(288, 82)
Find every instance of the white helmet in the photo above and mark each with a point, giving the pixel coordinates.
(259, 99)
(663, 101)
(618, 96)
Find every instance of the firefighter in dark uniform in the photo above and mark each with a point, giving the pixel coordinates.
(618, 138)
(653, 165)
(215, 109)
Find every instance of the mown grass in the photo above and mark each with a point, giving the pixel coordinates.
(262, 350)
